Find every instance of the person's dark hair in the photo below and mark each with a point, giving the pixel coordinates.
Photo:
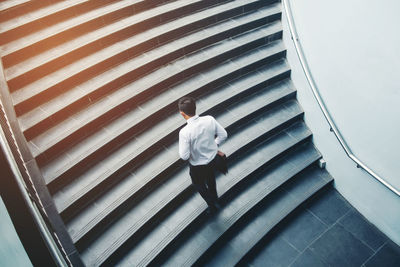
(188, 105)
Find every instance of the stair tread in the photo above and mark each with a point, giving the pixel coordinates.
(26, 92)
(86, 220)
(312, 179)
(143, 211)
(51, 172)
(55, 134)
(128, 152)
(80, 225)
(35, 37)
(51, 107)
(97, 35)
(95, 92)
(142, 254)
(41, 13)
(97, 40)
(4, 5)
(132, 117)
(279, 205)
(260, 156)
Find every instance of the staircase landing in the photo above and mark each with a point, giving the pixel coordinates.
(325, 231)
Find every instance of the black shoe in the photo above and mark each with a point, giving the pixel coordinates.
(217, 204)
(211, 210)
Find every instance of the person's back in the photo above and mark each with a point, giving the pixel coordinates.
(198, 143)
(200, 134)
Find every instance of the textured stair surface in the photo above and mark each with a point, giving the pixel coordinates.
(272, 207)
(95, 86)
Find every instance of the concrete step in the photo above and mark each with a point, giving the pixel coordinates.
(68, 52)
(49, 114)
(239, 242)
(132, 122)
(134, 153)
(244, 221)
(119, 239)
(165, 233)
(273, 120)
(40, 69)
(10, 9)
(43, 16)
(40, 41)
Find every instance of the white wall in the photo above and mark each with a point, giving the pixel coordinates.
(352, 48)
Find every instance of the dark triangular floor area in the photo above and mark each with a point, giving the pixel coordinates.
(325, 231)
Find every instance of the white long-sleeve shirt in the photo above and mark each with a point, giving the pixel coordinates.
(199, 139)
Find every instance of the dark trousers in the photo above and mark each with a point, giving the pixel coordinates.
(203, 179)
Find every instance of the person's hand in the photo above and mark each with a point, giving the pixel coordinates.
(221, 153)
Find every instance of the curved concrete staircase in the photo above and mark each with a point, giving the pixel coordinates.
(95, 86)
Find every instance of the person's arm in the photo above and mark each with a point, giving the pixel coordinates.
(220, 132)
(184, 146)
